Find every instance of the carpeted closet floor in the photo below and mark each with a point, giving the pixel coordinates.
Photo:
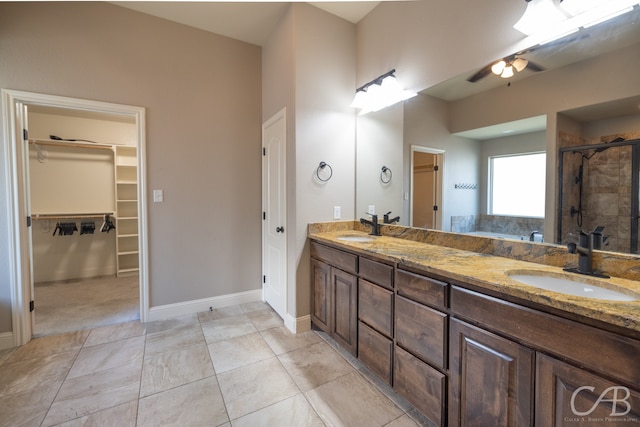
(74, 305)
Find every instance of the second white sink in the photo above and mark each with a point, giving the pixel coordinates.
(571, 286)
(356, 238)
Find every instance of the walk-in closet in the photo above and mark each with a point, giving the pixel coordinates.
(82, 179)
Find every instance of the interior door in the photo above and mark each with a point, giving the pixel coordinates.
(426, 184)
(274, 240)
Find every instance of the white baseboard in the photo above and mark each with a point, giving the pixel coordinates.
(195, 306)
(298, 325)
(6, 340)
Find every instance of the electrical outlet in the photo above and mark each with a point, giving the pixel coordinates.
(371, 210)
(336, 212)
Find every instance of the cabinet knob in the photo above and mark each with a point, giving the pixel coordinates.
(280, 229)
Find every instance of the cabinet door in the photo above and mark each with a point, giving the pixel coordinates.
(345, 322)
(491, 379)
(321, 295)
(570, 396)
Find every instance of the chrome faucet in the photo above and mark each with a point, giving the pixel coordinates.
(388, 220)
(584, 249)
(375, 227)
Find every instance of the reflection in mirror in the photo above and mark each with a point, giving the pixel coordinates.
(591, 81)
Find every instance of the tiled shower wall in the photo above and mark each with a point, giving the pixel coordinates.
(606, 190)
(519, 226)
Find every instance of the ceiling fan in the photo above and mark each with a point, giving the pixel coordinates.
(506, 67)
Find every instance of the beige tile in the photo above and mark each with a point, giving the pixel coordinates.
(172, 325)
(94, 392)
(226, 328)
(352, 401)
(294, 411)
(194, 404)
(281, 340)
(265, 319)
(173, 333)
(6, 354)
(108, 356)
(27, 407)
(119, 416)
(255, 386)
(403, 421)
(255, 306)
(219, 313)
(236, 352)
(314, 365)
(45, 346)
(175, 368)
(31, 374)
(115, 332)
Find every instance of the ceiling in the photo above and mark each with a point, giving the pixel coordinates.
(251, 22)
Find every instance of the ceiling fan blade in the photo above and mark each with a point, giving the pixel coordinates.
(482, 73)
(532, 66)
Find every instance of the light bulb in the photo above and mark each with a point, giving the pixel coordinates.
(519, 64)
(498, 67)
(507, 72)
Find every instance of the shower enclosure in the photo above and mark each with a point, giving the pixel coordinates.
(599, 186)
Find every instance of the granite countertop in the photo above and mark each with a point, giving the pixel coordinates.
(490, 272)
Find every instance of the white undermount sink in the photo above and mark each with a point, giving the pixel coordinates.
(356, 238)
(570, 285)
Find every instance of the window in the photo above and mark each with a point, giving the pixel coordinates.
(517, 185)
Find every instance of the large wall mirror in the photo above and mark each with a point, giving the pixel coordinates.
(588, 93)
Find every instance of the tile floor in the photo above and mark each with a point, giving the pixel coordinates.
(236, 366)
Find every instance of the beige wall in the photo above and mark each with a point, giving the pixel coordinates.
(309, 68)
(202, 94)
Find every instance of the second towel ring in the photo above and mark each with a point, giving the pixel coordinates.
(385, 175)
(321, 167)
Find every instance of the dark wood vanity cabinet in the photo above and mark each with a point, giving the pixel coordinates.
(375, 317)
(490, 379)
(421, 343)
(563, 399)
(334, 294)
(464, 358)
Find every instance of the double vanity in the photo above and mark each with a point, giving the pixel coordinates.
(478, 331)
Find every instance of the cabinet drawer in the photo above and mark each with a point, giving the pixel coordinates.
(337, 258)
(422, 289)
(375, 351)
(422, 331)
(376, 272)
(376, 307)
(421, 385)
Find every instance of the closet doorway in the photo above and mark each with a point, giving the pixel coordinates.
(80, 175)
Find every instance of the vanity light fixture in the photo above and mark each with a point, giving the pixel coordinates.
(379, 93)
(547, 20)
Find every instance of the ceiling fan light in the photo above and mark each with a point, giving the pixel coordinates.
(519, 64)
(507, 72)
(498, 67)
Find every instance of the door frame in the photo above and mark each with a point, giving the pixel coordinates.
(280, 115)
(19, 250)
(439, 193)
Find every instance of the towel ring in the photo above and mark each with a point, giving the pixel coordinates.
(385, 175)
(321, 167)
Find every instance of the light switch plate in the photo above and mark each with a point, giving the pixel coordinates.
(158, 196)
(371, 210)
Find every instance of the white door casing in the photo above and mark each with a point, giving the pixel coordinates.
(274, 204)
(14, 105)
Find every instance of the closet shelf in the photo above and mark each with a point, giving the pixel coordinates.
(126, 182)
(128, 253)
(127, 218)
(121, 236)
(54, 142)
(69, 215)
(127, 201)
